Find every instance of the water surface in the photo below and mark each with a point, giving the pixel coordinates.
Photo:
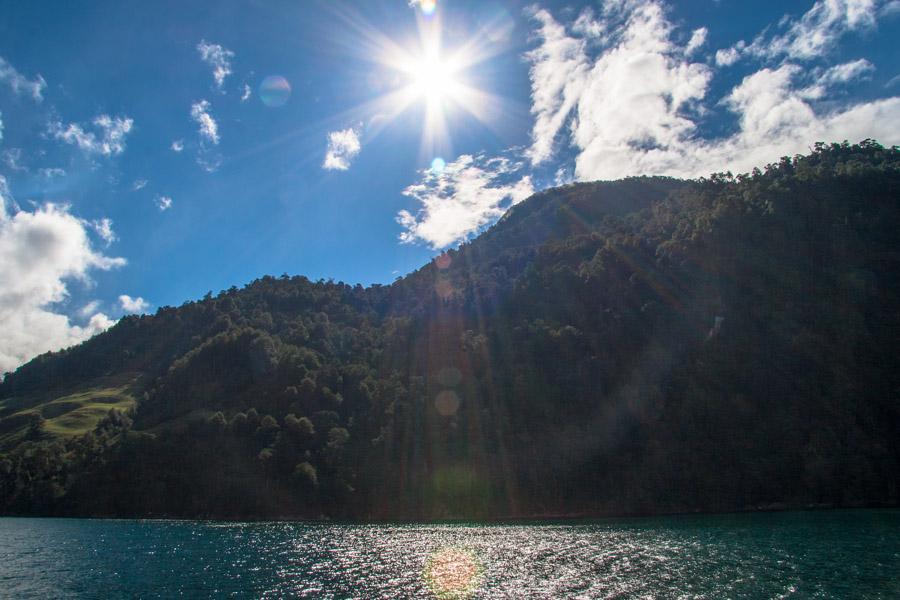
(832, 554)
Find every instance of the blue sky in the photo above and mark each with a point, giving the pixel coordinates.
(143, 162)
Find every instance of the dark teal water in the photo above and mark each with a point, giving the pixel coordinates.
(836, 554)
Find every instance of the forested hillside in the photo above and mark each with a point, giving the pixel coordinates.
(631, 347)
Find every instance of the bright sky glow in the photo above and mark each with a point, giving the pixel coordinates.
(433, 78)
(208, 146)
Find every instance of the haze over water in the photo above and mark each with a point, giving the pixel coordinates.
(838, 554)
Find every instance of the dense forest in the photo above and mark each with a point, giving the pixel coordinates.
(632, 347)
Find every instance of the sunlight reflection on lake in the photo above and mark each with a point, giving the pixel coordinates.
(838, 554)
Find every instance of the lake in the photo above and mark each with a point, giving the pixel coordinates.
(827, 554)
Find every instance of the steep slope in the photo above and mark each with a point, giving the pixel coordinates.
(647, 345)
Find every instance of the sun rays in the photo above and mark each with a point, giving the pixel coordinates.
(425, 74)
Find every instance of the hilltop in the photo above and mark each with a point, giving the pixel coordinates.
(639, 346)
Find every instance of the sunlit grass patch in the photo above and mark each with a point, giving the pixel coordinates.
(67, 414)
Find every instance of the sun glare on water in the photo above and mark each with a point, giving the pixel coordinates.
(453, 574)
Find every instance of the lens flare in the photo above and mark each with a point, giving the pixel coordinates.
(428, 7)
(438, 165)
(453, 574)
(447, 403)
(443, 288)
(274, 91)
(443, 261)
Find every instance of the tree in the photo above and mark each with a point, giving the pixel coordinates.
(305, 476)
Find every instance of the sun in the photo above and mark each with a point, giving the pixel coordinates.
(431, 75)
(433, 78)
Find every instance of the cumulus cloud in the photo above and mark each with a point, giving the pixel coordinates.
(40, 253)
(20, 84)
(634, 103)
(163, 203)
(726, 57)
(209, 129)
(343, 146)
(108, 139)
(462, 198)
(218, 58)
(177, 146)
(133, 305)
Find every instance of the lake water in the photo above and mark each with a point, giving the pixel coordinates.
(831, 554)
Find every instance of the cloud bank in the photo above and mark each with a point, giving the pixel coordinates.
(40, 253)
(631, 101)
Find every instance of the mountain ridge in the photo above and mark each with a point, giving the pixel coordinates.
(632, 347)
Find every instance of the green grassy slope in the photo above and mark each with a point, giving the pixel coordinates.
(66, 413)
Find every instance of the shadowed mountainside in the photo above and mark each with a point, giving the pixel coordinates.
(640, 346)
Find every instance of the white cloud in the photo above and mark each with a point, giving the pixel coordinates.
(698, 38)
(89, 309)
(208, 163)
(814, 34)
(21, 84)
(728, 56)
(342, 147)
(133, 305)
(108, 141)
(836, 76)
(51, 172)
(209, 129)
(40, 252)
(247, 92)
(163, 203)
(465, 196)
(177, 146)
(847, 72)
(218, 58)
(640, 101)
(139, 184)
(587, 25)
(103, 227)
(558, 68)
(12, 158)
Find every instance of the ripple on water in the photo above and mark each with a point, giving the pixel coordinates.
(827, 555)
